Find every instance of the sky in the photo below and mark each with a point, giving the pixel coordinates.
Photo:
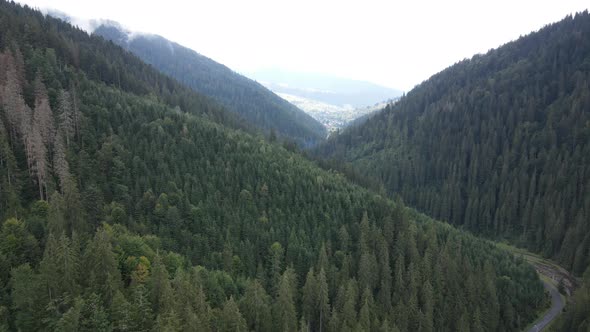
(393, 43)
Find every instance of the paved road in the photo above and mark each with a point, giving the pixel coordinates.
(556, 307)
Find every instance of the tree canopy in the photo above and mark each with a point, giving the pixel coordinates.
(123, 212)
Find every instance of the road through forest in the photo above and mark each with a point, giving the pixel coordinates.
(556, 307)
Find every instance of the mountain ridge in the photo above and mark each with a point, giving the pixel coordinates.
(497, 144)
(325, 88)
(255, 103)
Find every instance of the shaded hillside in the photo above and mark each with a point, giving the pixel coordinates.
(121, 211)
(252, 101)
(498, 144)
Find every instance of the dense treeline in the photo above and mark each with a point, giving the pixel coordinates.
(123, 212)
(268, 227)
(577, 312)
(248, 98)
(498, 144)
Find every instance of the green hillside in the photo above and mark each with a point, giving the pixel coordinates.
(123, 212)
(497, 144)
(252, 101)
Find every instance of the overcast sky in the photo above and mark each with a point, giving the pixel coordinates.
(395, 43)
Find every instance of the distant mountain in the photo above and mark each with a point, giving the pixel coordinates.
(365, 113)
(331, 116)
(334, 117)
(324, 88)
(251, 100)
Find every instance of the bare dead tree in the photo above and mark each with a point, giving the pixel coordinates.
(12, 100)
(19, 62)
(43, 115)
(38, 154)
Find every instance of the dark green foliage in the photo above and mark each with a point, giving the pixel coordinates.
(187, 225)
(17, 244)
(256, 307)
(498, 144)
(230, 319)
(248, 98)
(577, 311)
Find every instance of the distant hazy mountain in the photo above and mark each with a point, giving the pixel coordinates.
(323, 88)
(251, 100)
(335, 117)
(365, 113)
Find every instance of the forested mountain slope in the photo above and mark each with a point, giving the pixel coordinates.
(255, 103)
(577, 312)
(103, 61)
(123, 212)
(498, 144)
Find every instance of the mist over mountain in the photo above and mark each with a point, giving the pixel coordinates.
(249, 99)
(324, 88)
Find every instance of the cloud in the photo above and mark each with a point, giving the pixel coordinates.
(394, 43)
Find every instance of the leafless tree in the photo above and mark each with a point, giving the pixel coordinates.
(43, 116)
(38, 157)
(11, 98)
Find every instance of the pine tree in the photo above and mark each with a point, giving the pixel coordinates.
(26, 299)
(60, 164)
(427, 306)
(74, 213)
(56, 220)
(323, 262)
(385, 279)
(160, 289)
(231, 319)
(349, 312)
(323, 301)
(284, 312)
(309, 298)
(102, 273)
(168, 322)
(276, 253)
(255, 306)
(65, 116)
(93, 316)
(70, 320)
(121, 313)
(17, 244)
(49, 267)
(60, 267)
(190, 300)
(142, 316)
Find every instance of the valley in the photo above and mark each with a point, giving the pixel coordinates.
(333, 117)
(147, 187)
(559, 285)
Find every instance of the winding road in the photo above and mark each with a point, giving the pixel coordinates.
(556, 307)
